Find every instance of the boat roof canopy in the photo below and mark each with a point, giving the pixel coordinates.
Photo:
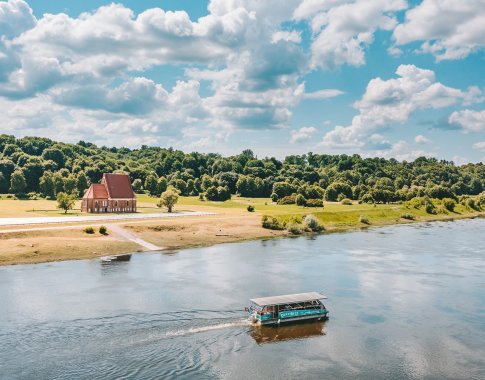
(287, 299)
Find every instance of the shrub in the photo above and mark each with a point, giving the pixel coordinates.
(300, 200)
(103, 230)
(250, 208)
(313, 223)
(481, 199)
(89, 230)
(429, 206)
(288, 200)
(33, 196)
(364, 219)
(470, 204)
(368, 198)
(430, 209)
(201, 197)
(346, 201)
(408, 216)
(416, 202)
(314, 203)
(448, 204)
(271, 223)
(295, 228)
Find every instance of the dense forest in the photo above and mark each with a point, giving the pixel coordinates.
(34, 166)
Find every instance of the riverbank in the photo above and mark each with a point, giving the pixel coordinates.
(230, 222)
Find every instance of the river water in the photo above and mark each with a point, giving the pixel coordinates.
(406, 302)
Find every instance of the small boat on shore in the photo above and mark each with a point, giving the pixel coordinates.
(116, 258)
(287, 308)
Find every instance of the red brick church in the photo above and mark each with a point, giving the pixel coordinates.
(113, 194)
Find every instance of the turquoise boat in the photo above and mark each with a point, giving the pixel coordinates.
(287, 308)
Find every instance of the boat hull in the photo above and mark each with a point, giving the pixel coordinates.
(307, 318)
(292, 318)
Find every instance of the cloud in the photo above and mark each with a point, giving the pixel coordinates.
(283, 35)
(257, 88)
(480, 146)
(15, 18)
(400, 151)
(450, 29)
(392, 101)
(252, 65)
(468, 120)
(323, 94)
(136, 96)
(420, 139)
(343, 29)
(302, 135)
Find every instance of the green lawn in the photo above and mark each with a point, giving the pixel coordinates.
(332, 214)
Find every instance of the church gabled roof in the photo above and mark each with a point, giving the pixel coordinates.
(118, 186)
(96, 191)
(112, 186)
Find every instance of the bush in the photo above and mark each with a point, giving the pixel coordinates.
(470, 204)
(218, 194)
(481, 199)
(408, 216)
(201, 197)
(314, 203)
(295, 228)
(33, 196)
(340, 197)
(364, 219)
(416, 202)
(448, 204)
(367, 198)
(103, 230)
(429, 207)
(300, 200)
(288, 200)
(313, 223)
(250, 208)
(89, 230)
(271, 223)
(346, 201)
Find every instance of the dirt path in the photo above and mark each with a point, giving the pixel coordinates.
(129, 236)
(113, 228)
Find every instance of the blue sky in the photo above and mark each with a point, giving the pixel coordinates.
(390, 78)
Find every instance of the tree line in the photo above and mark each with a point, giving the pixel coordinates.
(35, 166)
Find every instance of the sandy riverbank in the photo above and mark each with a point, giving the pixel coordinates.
(71, 243)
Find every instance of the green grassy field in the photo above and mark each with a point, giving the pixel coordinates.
(333, 214)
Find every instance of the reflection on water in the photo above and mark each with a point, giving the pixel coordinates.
(406, 302)
(269, 334)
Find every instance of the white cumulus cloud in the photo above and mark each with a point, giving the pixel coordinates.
(302, 135)
(480, 146)
(420, 139)
(470, 121)
(392, 101)
(323, 94)
(343, 29)
(450, 29)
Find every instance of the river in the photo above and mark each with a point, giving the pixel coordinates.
(406, 302)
